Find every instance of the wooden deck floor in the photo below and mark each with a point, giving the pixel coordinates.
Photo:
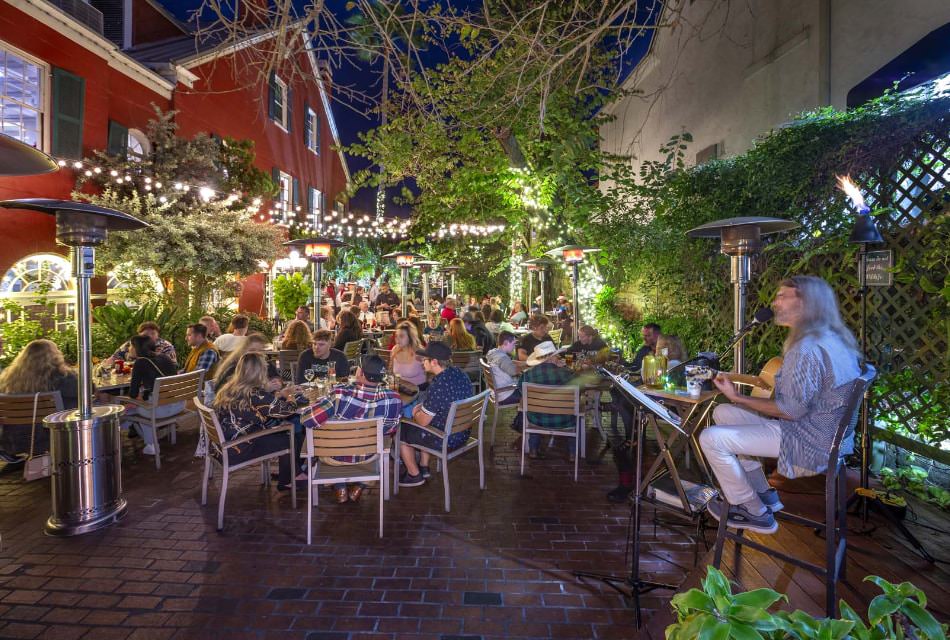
(881, 552)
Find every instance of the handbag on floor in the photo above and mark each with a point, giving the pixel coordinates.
(36, 466)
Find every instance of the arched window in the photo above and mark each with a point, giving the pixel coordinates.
(31, 273)
(138, 145)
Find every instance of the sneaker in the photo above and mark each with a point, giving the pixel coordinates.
(741, 518)
(406, 480)
(771, 500)
(424, 471)
(149, 450)
(619, 494)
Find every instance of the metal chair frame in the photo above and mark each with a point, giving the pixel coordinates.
(167, 390)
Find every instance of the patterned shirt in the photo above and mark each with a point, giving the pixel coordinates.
(162, 347)
(265, 409)
(356, 402)
(812, 388)
(549, 373)
(447, 387)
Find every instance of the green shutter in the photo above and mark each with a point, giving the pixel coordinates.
(68, 101)
(272, 96)
(309, 200)
(296, 192)
(118, 139)
(289, 99)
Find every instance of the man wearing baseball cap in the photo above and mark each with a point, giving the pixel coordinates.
(366, 398)
(448, 385)
(545, 366)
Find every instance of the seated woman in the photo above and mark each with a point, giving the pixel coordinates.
(348, 330)
(251, 402)
(518, 315)
(799, 424)
(459, 339)
(148, 366)
(497, 323)
(255, 343)
(39, 367)
(404, 362)
(675, 351)
(297, 336)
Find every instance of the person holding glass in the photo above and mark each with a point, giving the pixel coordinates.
(319, 358)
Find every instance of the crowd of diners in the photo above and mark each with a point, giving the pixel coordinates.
(250, 394)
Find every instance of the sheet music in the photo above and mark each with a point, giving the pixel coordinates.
(658, 409)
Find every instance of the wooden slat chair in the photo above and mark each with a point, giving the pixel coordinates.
(835, 524)
(352, 351)
(219, 451)
(470, 363)
(556, 336)
(386, 355)
(167, 390)
(463, 415)
(346, 438)
(287, 363)
(556, 400)
(16, 414)
(493, 391)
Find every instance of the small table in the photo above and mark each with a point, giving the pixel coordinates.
(114, 382)
(697, 416)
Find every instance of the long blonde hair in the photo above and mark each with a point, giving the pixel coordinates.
(820, 314)
(297, 336)
(38, 367)
(673, 345)
(254, 342)
(414, 342)
(460, 338)
(250, 376)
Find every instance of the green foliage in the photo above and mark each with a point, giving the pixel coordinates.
(204, 244)
(715, 613)
(18, 333)
(926, 398)
(255, 324)
(119, 321)
(290, 292)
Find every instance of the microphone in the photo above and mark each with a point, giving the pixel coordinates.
(761, 316)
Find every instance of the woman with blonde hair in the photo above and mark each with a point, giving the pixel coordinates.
(39, 367)
(297, 336)
(250, 402)
(459, 337)
(675, 351)
(404, 362)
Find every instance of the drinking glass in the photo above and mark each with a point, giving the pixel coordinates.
(331, 372)
(309, 374)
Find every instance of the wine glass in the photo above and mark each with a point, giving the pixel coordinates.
(309, 374)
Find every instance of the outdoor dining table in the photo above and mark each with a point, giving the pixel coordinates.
(114, 382)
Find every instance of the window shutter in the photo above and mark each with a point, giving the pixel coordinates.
(272, 96)
(318, 128)
(118, 139)
(69, 93)
(306, 123)
(296, 194)
(309, 203)
(289, 100)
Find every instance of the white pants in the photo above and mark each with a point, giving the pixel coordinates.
(161, 411)
(737, 434)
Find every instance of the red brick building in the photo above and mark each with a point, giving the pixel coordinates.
(81, 77)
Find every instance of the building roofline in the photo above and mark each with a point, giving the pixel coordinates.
(158, 6)
(61, 22)
(327, 108)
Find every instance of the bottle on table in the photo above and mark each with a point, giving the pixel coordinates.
(648, 370)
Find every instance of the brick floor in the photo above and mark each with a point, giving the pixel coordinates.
(499, 566)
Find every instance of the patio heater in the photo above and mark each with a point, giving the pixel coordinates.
(317, 250)
(740, 239)
(539, 266)
(20, 159)
(573, 256)
(451, 271)
(85, 448)
(404, 260)
(425, 268)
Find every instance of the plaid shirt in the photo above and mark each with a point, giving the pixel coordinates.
(356, 402)
(203, 357)
(548, 373)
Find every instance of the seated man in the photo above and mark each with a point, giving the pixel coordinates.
(228, 342)
(318, 358)
(387, 298)
(545, 367)
(150, 329)
(798, 426)
(504, 370)
(448, 385)
(366, 398)
(588, 342)
(538, 325)
(365, 316)
(203, 355)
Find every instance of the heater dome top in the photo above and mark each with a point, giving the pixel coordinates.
(766, 226)
(111, 219)
(20, 159)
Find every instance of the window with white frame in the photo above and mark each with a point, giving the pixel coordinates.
(22, 97)
(285, 183)
(280, 102)
(313, 131)
(315, 202)
(138, 145)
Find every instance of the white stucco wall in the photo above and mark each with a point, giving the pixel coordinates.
(731, 71)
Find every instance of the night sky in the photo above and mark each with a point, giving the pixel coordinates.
(353, 118)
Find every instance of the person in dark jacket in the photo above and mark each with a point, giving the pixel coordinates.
(475, 323)
(147, 368)
(348, 330)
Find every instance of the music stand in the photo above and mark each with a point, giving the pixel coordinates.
(631, 585)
